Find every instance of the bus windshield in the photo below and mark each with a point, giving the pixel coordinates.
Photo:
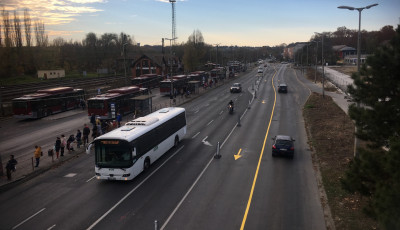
(113, 154)
(96, 104)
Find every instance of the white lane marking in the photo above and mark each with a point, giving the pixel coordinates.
(221, 112)
(134, 189)
(91, 179)
(51, 227)
(70, 175)
(195, 135)
(210, 122)
(196, 111)
(16, 226)
(202, 172)
(206, 142)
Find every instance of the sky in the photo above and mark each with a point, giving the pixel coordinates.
(223, 22)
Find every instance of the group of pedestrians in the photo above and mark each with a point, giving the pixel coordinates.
(63, 143)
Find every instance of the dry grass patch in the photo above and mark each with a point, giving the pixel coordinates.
(331, 135)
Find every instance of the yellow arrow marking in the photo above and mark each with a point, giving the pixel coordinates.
(237, 156)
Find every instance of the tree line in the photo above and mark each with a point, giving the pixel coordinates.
(370, 40)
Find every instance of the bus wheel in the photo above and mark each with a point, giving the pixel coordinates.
(146, 164)
(49, 112)
(176, 141)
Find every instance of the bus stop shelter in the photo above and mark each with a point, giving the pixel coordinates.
(143, 105)
(194, 86)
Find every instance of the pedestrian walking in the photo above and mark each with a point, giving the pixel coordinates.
(38, 153)
(63, 144)
(78, 138)
(93, 120)
(94, 132)
(119, 118)
(57, 146)
(10, 167)
(86, 132)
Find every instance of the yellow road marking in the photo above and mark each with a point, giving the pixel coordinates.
(237, 156)
(259, 161)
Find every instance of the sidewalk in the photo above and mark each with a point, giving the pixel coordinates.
(335, 77)
(25, 167)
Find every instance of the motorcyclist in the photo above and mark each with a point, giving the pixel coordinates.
(230, 104)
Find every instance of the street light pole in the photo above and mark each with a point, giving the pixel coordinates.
(170, 63)
(359, 29)
(124, 53)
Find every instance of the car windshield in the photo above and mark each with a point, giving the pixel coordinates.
(236, 85)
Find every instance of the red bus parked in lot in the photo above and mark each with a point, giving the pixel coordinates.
(46, 102)
(149, 81)
(107, 105)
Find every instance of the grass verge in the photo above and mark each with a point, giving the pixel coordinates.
(331, 136)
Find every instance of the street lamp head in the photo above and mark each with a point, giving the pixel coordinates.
(346, 7)
(367, 7)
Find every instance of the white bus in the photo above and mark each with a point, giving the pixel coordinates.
(127, 151)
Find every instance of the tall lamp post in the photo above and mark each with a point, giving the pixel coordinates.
(358, 55)
(322, 63)
(359, 29)
(124, 53)
(170, 63)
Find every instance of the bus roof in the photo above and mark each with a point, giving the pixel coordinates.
(31, 96)
(56, 90)
(105, 96)
(124, 90)
(141, 125)
(149, 75)
(179, 77)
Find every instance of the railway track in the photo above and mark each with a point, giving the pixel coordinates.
(7, 93)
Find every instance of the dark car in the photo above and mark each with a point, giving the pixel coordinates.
(236, 88)
(282, 88)
(283, 145)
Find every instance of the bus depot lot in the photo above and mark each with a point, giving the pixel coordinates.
(187, 188)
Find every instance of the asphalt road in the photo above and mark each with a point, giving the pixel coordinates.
(188, 188)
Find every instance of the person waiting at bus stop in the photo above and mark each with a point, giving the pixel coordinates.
(38, 153)
(10, 167)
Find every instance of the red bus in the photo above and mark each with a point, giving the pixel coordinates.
(149, 81)
(107, 105)
(46, 102)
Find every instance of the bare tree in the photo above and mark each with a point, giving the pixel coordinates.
(1, 44)
(7, 28)
(17, 30)
(41, 37)
(28, 28)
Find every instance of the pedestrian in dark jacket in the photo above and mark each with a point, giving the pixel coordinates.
(94, 132)
(93, 120)
(11, 166)
(57, 146)
(78, 138)
(86, 132)
(70, 140)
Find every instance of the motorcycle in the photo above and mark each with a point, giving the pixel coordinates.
(230, 109)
